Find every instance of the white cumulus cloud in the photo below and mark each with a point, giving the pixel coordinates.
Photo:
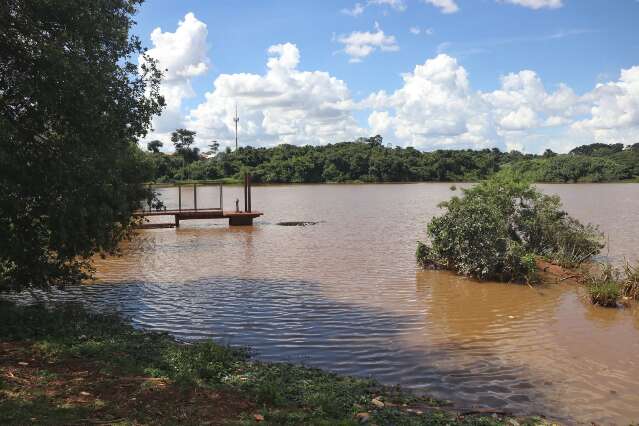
(360, 44)
(284, 105)
(357, 10)
(613, 110)
(436, 107)
(181, 55)
(536, 4)
(399, 5)
(446, 6)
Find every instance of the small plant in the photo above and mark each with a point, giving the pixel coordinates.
(604, 293)
(453, 188)
(603, 286)
(630, 282)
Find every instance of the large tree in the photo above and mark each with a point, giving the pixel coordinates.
(74, 99)
(154, 146)
(182, 140)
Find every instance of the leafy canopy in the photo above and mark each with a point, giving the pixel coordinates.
(182, 140)
(154, 146)
(73, 103)
(369, 160)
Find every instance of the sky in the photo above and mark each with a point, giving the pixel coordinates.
(525, 75)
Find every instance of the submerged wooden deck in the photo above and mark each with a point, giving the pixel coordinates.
(235, 218)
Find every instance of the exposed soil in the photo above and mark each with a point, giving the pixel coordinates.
(83, 387)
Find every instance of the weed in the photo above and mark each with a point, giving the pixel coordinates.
(630, 282)
(603, 286)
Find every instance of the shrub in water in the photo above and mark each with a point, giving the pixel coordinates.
(498, 227)
(603, 286)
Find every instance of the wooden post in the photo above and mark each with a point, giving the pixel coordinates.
(177, 220)
(195, 196)
(245, 193)
(180, 197)
(221, 199)
(148, 202)
(249, 184)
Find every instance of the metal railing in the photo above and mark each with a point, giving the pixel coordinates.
(168, 202)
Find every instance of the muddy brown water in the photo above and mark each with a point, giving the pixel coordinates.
(345, 295)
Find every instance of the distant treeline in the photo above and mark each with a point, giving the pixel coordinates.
(368, 160)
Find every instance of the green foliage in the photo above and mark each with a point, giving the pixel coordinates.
(182, 140)
(73, 103)
(604, 293)
(606, 283)
(154, 146)
(568, 168)
(598, 149)
(365, 160)
(498, 227)
(368, 160)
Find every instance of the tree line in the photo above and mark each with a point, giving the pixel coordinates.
(369, 160)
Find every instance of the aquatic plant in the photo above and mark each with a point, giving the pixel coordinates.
(603, 285)
(630, 282)
(497, 229)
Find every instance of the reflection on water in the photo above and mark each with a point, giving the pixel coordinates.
(345, 295)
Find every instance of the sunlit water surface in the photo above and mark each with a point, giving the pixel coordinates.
(346, 295)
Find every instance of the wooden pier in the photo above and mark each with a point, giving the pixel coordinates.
(236, 218)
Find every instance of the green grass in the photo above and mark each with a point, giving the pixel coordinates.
(282, 393)
(604, 293)
(603, 286)
(606, 284)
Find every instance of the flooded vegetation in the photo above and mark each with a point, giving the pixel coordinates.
(346, 295)
(500, 228)
(611, 286)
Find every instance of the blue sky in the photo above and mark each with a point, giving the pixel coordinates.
(516, 74)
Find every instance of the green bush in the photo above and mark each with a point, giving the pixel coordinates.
(497, 229)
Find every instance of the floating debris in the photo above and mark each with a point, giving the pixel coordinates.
(299, 223)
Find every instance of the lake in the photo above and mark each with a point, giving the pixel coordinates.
(346, 295)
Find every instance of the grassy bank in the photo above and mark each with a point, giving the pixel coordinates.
(69, 366)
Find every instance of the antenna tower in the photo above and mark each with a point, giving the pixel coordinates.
(236, 119)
